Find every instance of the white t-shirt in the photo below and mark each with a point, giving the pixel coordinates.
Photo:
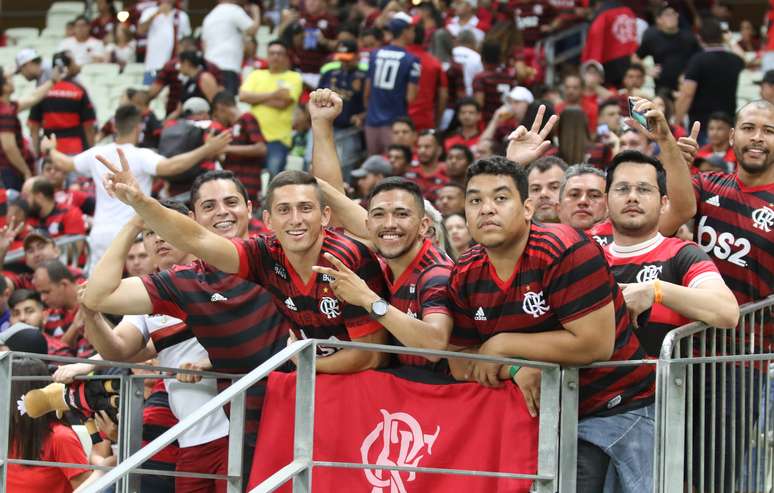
(83, 53)
(471, 65)
(161, 35)
(184, 398)
(222, 33)
(110, 214)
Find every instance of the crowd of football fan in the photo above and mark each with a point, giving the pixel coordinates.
(486, 212)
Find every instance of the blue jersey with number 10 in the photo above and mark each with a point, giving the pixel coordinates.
(390, 71)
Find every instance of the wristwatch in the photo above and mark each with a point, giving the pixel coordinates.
(379, 308)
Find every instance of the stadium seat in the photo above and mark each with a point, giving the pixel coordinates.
(134, 69)
(19, 35)
(108, 72)
(74, 8)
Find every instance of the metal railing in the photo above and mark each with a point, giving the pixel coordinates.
(130, 411)
(299, 470)
(66, 244)
(561, 47)
(715, 424)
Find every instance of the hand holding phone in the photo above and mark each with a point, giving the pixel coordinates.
(638, 116)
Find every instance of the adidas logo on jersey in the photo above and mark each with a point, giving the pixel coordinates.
(218, 297)
(480, 314)
(291, 306)
(714, 200)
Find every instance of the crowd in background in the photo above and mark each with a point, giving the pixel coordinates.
(426, 91)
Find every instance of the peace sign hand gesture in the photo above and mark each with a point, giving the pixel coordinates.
(526, 146)
(347, 286)
(121, 183)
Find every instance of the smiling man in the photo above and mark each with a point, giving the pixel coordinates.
(545, 293)
(282, 263)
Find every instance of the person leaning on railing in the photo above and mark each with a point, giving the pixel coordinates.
(42, 439)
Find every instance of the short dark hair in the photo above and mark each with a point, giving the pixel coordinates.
(490, 52)
(193, 57)
(277, 42)
(545, 163)
(81, 18)
(57, 271)
(465, 150)
(431, 132)
(127, 118)
(761, 104)
(216, 175)
(225, 98)
(375, 32)
(453, 184)
(638, 158)
(407, 155)
(711, 32)
(398, 183)
(606, 103)
(292, 177)
(636, 66)
(721, 116)
(500, 166)
(468, 102)
(21, 204)
(21, 295)
(404, 119)
(175, 205)
(44, 186)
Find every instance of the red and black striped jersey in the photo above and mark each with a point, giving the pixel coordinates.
(169, 76)
(63, 220)
(428, 181)
(23, 280)
(735, 226)
(233, 319)
(3, 205)
(9, 123)
(157, 418)
(667, 259)
(56, 347)
(311, 306)
(494, 83)
(422, 289)
(601, 232)
(313, 54)
(65, 111)
(246, 131)
(58, 322)
(561, 276)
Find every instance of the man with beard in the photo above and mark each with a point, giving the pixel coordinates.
(429, 173)
(545, 177)
(582, 197)
(395, 224)
(57, 219)
(667, 281)
(458, 158)
(237, 338)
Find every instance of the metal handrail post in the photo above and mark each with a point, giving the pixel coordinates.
(548, 431)
(240, 386)
(674, 427)
(135, 396)
(236, 432)
(303, 436)
(6, 368)
(568, 431)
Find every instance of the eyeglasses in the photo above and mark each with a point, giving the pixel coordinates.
(640, 189)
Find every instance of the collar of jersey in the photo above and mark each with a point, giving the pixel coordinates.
(638, 249)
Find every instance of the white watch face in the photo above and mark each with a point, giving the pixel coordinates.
(379, 308)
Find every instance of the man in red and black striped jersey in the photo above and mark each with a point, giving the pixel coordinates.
(246, 154)
(429, 172)
(544, 292)
(235, 320)
(282, 263)
(65, 111)
(417, 312)
(55, 218)
(27, 307)
(15, 158)
(667, 282)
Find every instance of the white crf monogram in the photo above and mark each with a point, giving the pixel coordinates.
(330, 307)
(649, 273)
(399, 429)
(763, 219)
(534, 304)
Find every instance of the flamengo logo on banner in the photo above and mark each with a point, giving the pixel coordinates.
(405, 432)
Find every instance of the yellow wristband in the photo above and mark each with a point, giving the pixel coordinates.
(658, 295)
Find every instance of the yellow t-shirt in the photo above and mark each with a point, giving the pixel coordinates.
(275, 124)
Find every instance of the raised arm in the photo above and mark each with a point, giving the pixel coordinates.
(324, 107)
(525, 146)
(175, 165)
(348, 213)
(106, 291)
(682, 201)
(61, 160)
(183, 232)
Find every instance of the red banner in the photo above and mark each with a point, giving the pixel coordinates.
(378, 418)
